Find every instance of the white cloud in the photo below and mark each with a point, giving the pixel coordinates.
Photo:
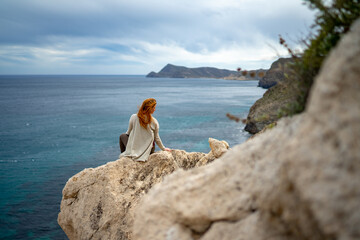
(144, 35)
(142, 57)
(229, 56)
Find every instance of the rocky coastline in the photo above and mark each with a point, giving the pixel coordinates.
(297, 180)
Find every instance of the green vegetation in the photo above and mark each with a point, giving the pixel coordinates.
(264, 117)
(332, 21)
(271, 125)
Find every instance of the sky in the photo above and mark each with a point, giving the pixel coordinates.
(139, 36)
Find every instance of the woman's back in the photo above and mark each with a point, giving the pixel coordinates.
(143, 131)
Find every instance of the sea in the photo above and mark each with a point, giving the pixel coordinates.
(53, 126)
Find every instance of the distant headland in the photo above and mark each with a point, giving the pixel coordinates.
(173, 71)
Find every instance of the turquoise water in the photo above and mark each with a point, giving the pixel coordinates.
(54, 126)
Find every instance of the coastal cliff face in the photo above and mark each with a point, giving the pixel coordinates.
(99, 203)
(299, 180)
(266, 109)
(277, 73)
(280, 93)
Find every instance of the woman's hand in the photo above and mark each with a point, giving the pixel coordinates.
(167, 149)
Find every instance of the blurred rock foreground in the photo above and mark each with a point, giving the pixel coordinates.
(298, 180)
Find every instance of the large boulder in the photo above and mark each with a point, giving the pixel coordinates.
(299, 180)
(99, 203)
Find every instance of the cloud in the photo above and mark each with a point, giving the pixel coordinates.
(82, 52)
(117, 36)
(229, 56)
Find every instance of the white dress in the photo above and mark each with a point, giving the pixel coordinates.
(141, 140)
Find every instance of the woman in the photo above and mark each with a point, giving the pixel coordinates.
(138, 141)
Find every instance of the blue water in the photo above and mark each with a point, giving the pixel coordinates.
(54, 126)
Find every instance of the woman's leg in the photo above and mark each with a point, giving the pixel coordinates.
(123, 139)
(153, 148)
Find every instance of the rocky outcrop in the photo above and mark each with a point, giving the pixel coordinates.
(281, 93)
(299, 180)
(99, 203)
(172, 71)
(277, 73)
(267, 109)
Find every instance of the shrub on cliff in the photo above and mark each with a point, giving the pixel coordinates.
(332, 21)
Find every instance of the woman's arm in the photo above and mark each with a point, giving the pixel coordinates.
(158, 139)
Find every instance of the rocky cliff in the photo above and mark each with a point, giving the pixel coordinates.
(299, 180)
(281, 93)
(266, 110)
(277, 73)
(172, 71)
(99, 203)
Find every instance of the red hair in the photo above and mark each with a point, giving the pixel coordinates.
(145, 112)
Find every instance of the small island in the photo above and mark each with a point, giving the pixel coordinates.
(173, 71)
